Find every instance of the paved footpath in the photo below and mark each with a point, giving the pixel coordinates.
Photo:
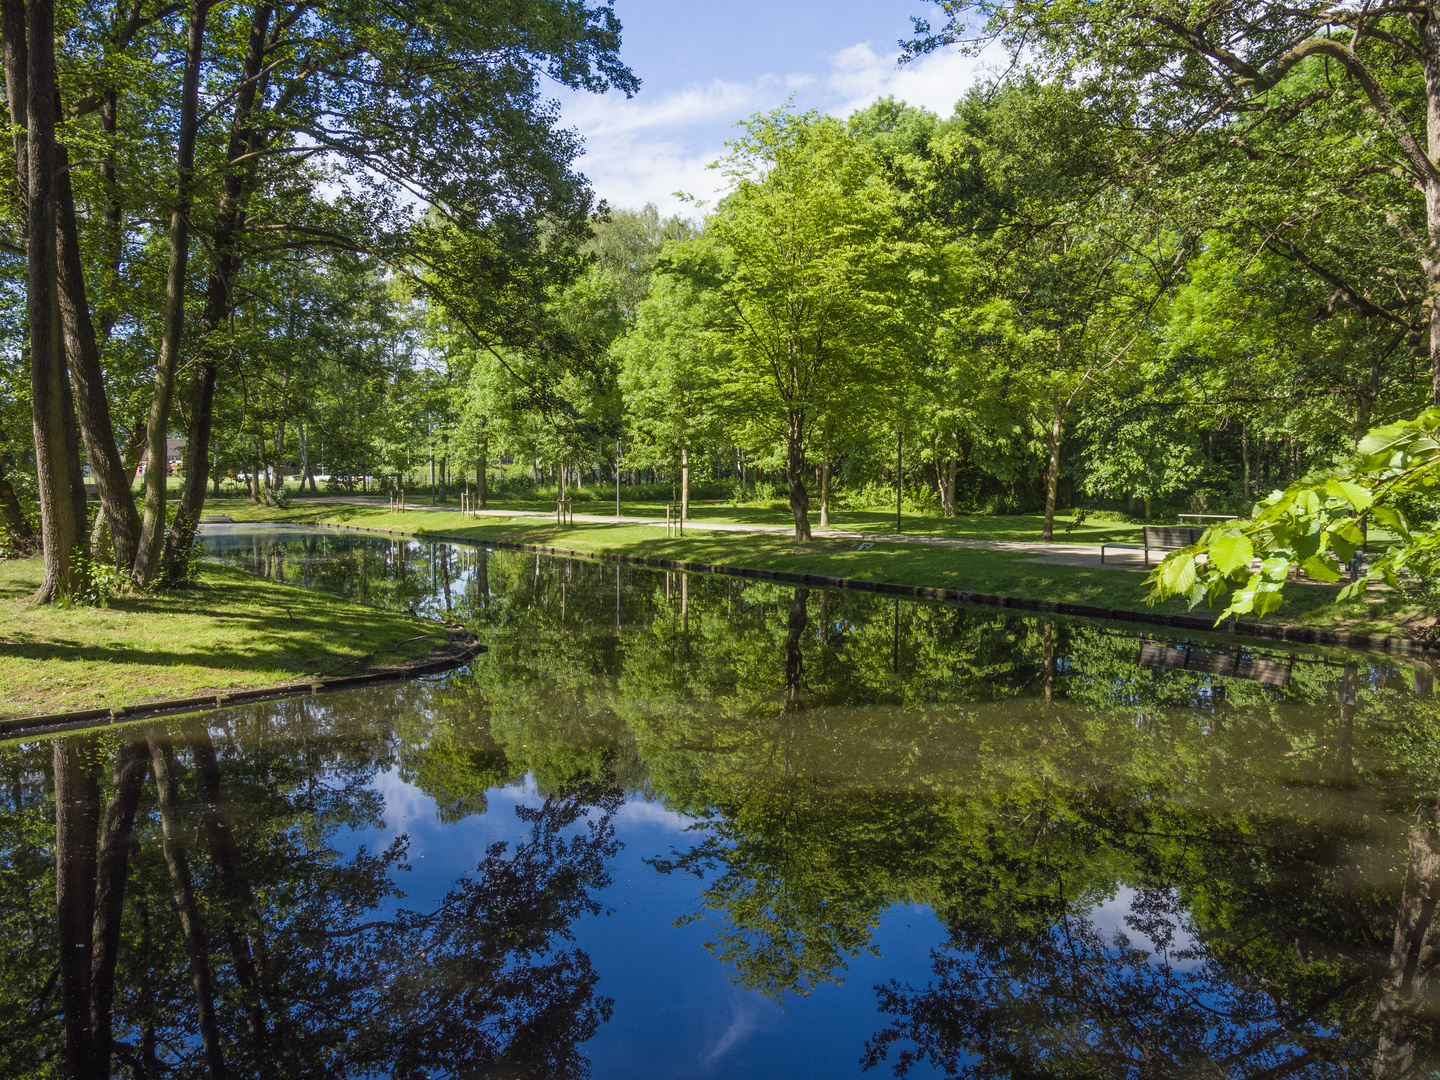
(1058, 554)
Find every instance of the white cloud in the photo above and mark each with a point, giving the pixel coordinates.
(858, 75)
(644, 150)
(609, 117)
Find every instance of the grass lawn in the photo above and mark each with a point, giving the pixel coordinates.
(1022, 527)
(1003, 573)
(233, 631)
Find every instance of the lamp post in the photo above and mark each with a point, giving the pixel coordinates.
(617, 500)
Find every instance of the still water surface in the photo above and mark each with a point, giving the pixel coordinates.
(675, 825)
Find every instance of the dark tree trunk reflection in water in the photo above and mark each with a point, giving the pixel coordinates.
(1405, 990)
(77, 821)
(309, 968)
(1345, 736)
(112, 872)
(241, 923)
(794, 658)
(172, 830)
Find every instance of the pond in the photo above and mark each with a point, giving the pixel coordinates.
(678, 825)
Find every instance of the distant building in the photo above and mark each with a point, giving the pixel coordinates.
(174, 454)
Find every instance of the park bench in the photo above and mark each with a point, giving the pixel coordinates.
(1161, 538)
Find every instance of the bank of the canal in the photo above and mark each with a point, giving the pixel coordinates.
(1382, 618)
(231, 633)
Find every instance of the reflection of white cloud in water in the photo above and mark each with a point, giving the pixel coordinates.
(1117, 916)
(523, 792)
(403, 803)
(744, 1020)
(641, 812)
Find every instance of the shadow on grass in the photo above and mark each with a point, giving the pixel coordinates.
(281, 628)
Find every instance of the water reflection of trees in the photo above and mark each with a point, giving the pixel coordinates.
(203, 920)
(847, 753)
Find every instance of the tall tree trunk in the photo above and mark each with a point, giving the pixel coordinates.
(112, 869)
(1245, 466)
(482, 472)
(130, 463)
(152, 528)
(17, 94)
(825, 475)
(57, 451)
(279, 481)
(162, 763)
(685, 483)
(83, 356)
(11, 515)
(254, 471)
(306, 476)
(1052, 478)
(114, 214)
(795, 478)
(1429, 33)
(77, 818)
(825, 492)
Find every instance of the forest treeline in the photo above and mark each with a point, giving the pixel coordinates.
(1173, 257)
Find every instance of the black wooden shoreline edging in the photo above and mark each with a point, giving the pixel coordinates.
(1269, 631)
(461, 651)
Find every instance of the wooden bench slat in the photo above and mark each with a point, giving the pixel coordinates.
(1161, 537)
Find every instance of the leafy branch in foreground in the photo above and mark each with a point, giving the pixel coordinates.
(1317, 524)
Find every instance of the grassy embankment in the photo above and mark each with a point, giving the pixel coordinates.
(233, 631)
(1021, 527)
(998, 572)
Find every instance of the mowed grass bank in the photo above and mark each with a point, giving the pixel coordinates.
(1017, 527)
(1006, 574)
(233, 631)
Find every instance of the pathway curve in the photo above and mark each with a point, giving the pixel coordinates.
(1087, 555)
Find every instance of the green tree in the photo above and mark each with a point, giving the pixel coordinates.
(667, 375)
(810, 282)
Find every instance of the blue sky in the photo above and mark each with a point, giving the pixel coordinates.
(704, 66)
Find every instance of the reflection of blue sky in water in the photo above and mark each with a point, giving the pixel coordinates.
(677, 1014)
(910, 787)
(1114, 919)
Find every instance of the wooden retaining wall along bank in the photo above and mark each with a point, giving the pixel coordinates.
(462, 650)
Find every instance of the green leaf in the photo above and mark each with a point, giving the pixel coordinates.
(1390, 518)
(1320, 569)
(1266, 602)
(1275, 568)
(1343, 548)
(1179, 574)
(1382, 439)
(1231, 553)
(1354, 589)
(1359, 497)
